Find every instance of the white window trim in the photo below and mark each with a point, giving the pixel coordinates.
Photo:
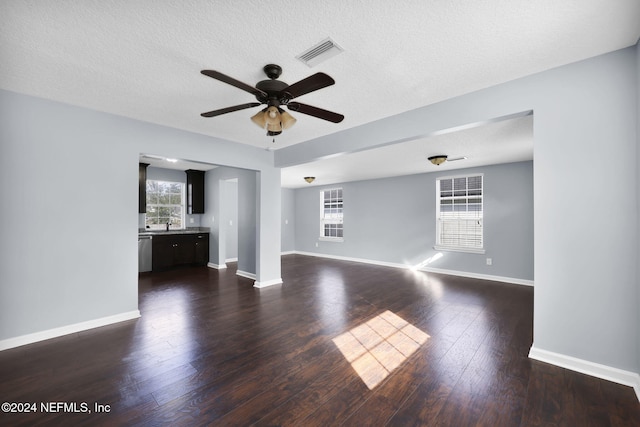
(330, 239)
(458, 248)
(322, 237)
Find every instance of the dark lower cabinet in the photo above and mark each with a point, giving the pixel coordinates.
(202, 249)
(179, 249)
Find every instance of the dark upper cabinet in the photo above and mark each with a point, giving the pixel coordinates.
(195, 191)
(142, 187)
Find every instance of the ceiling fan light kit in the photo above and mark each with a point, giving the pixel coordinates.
(274, 120)
(286, 119)
(438, 159)
(275, 93)
(309, 179)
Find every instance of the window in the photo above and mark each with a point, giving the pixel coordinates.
(165, 204)
(331, 214)
(459, 213)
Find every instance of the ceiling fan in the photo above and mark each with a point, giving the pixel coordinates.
(439, 159)
(274, 94)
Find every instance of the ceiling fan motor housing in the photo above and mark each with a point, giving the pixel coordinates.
(275, 92)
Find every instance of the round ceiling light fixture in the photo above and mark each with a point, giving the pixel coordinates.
(438, 159)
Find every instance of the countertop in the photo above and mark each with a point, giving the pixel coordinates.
(189, 230)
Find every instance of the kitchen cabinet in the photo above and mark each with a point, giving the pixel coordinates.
(195, 191)
(202, 249)
(174, 250)
(142, 187)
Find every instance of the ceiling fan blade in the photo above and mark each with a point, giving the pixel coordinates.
(315, 112)
(230, 109)
(310, 84)
(233, 82)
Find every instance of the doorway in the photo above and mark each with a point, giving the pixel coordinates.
(230, 219)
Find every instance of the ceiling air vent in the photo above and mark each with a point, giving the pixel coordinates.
(319, 53)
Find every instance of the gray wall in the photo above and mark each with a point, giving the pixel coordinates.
(164, 174)
(638, 194)
(585, 210)
(288, 221)
(230, 218)
(69, 225)
(218, 211)
(393, 220)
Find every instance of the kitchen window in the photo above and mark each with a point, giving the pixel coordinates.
(459, 214)
(331, 215)
(165, 205)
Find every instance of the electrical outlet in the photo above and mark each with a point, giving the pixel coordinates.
(489, 261)
(190, 220)
(316, 244)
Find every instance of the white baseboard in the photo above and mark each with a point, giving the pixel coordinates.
(258, 284)
(503, 279)
(631, 379)
(360, 260)
(251, 276)
(216, 266)
(288, 252)
(65, 330)
(231, 260)
(267, 283)
(246, 274)
(426, 269)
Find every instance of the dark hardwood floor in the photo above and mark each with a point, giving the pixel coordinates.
(339, 343)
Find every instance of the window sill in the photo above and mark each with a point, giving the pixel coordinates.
(331, 239)
(455, 249)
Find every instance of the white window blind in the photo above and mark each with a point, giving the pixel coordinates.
(331, 214)
(459, 213)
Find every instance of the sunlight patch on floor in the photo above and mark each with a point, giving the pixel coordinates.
(376, 348)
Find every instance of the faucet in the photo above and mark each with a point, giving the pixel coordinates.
(168, 224)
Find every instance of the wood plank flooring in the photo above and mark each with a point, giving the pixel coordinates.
(421, 350)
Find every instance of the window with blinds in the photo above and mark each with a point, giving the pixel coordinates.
(331, 214)
(459, 213)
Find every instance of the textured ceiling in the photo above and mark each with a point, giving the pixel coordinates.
(142, 58)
